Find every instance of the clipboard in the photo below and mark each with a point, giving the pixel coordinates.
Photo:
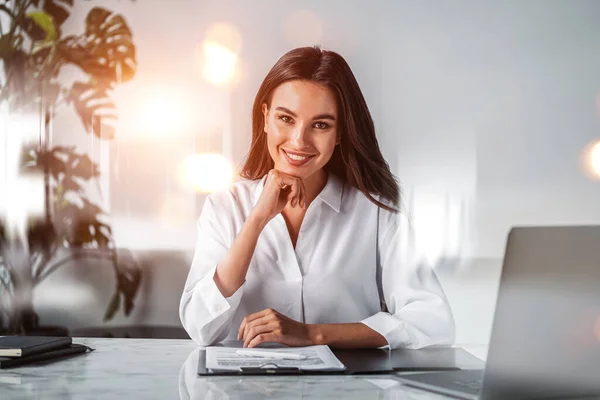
(364, 361)
(268, 368)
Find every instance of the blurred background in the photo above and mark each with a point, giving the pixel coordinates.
(117, 118)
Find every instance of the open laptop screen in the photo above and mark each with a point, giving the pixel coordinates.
(546, 332)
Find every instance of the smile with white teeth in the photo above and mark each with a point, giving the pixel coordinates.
(296, 157)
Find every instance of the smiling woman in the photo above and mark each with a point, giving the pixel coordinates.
(310, 248)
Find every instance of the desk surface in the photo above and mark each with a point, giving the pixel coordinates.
(166, 369)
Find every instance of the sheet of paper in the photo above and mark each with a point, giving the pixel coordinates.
(318, 358)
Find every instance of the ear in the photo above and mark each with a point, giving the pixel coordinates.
(265, 112)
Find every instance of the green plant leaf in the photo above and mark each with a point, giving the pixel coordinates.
(81, 166)
(58, 13)
(63, 163)
(6, 46)
(102, 235)
(94, 107)
(41, 236)
(75, 53)
(129, 283)
(69, 184)
(113, 306)
(45, 22)
(109, 39)
(80, 233)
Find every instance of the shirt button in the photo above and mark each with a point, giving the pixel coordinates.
(218, 308)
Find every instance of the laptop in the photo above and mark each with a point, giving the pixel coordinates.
(545, 338)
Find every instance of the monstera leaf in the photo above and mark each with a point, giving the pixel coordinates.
(94, 107)
(57, 11)
(129, 277)
(107, 54)
(105, 51)
(82, 225)
(78, 223)
(32, 57)
(110, 40)
(64, 164)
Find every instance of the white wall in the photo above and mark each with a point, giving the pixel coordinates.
(482, 110)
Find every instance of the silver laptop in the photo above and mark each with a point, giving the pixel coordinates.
(545, 339)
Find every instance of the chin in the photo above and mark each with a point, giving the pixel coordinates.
(293, 171)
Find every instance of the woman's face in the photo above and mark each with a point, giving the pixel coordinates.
(301, 127)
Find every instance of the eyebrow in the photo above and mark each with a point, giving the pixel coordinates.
(293, 114)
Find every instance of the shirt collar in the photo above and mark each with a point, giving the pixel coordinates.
(330, 195)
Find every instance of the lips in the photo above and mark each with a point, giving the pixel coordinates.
(296, 159)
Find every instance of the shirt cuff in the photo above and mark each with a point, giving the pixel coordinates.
(215, 302)
(387, 326)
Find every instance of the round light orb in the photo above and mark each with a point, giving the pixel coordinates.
(206, 173)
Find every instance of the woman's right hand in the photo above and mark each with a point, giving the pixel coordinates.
(279, 190)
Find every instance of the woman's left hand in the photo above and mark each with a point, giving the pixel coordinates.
(270, 326)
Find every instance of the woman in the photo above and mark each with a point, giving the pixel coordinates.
(308, 250)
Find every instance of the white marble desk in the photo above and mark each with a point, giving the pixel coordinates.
(166, 369)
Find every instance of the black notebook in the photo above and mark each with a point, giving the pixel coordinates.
(23, 346)
(46, 357)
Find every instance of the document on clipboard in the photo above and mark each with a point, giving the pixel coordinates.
(315, 358)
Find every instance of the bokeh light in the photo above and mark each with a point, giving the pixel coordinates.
(218, 54)
(162, 114)
(303, 28)
(219, 63)
(225, 35)
(590, 160)
(205, 173)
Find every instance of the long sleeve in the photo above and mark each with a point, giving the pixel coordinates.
(418, 312)
(204, 312)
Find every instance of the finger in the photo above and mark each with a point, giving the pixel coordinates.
(257, 329)
(266, 319)
(248, 318)
(251, 317)
(252, 324)
(296, 194)
(241, 328)
(263, 338)
(292, 195)
(295, 188)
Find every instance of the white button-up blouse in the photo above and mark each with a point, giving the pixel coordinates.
(352, 263)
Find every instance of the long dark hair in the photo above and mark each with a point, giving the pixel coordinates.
(357, 160)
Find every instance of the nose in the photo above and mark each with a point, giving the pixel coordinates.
(298, 139)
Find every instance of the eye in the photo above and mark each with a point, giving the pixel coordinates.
(321, 125)
(285, 118)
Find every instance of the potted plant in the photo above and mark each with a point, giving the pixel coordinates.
(33, 51)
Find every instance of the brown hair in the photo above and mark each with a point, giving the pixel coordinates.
(357, 160)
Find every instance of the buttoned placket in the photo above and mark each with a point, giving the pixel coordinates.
(297, 273)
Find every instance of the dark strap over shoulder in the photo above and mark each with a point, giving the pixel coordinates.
(378, 268)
